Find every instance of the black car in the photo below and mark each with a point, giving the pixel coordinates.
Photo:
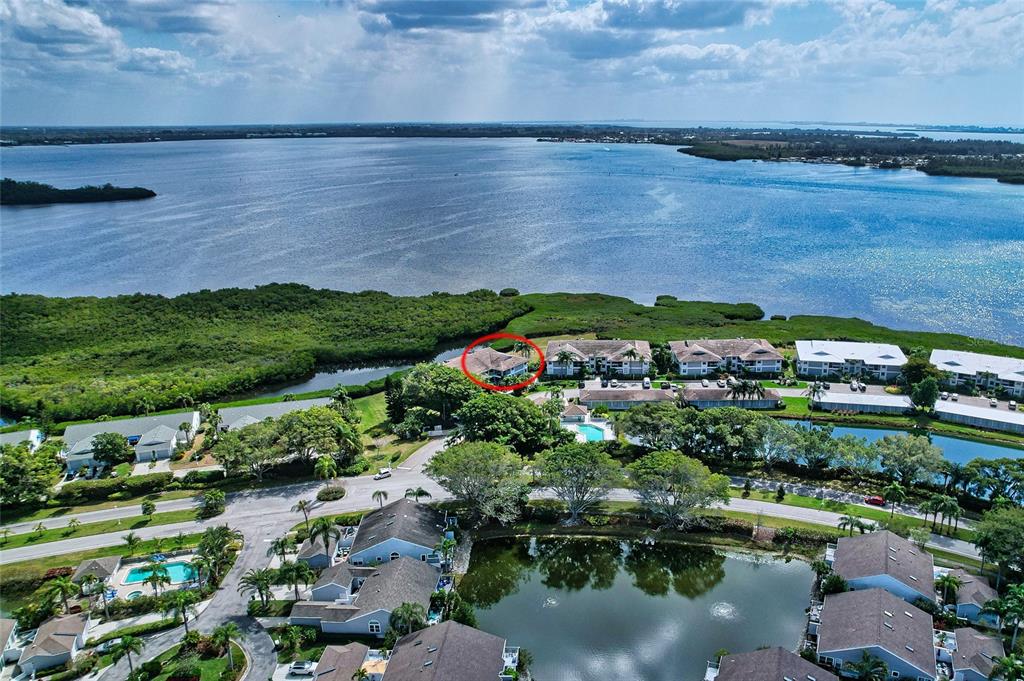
(581, 385)
(604, 382)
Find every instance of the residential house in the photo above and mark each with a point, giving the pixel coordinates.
(100, 568)
(401, 528)
(152, 437)
(974, 657)
(623, 398)
(987, 372)
(971, 597)
(367, 610)
(451, 652)
(9, 638)
(990, 418)
(697, 358)
(340, 663)
(767, 664)
(316, 554)
(884, 560)
(33, 437)
(235, 418)
(713, 397)
(340, 582)
(58, 640)
(631, 358)
(862, 403)
(820, 359)
(491, 365)
(879, 624)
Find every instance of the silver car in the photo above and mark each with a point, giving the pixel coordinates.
(302, 668)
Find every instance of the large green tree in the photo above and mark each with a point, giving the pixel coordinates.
(999, 537)
(26, 477)
(111, 448)
(250, 450)
(673, 487)
(438, 388)
(925, 393)
(319, 430)
(508, 420)
(909, 459)
(486, 476)
(580, 474)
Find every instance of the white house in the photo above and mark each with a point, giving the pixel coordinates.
(983, 371)
(401, 528)
(713, 397)
(884, 560)
(33, 437)
(974, 657)
(862, 403)
(818, 358)
(58, 640)
(365, 606)
(736, 355)
(9, 637)
(882, 625)
(152, 437)
(451, 652)
(631, 358)
(490, 364)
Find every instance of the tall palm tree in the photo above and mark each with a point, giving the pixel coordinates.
(815, 391)
(522, 348)
(380, 496)
(126, 646)
(851, 522)
(567, 358)
(869, 668)
(1008, 668)
(202, 565)
(1010, 609)
(409, 617)
(631, 354)
(360, 675)
(131, 543)
(303, 506)
(89, 583)
(326, 468)
(295, 573)
(325, 529)
(948, 582)
(446, 547)
(157, 576)
(895, 493)
(181, 603)
(280, 547)
(258, 582)
(224, 635)
(417, 493)
(64, 589)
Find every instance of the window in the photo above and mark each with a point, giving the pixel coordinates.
(395, 555)
(374, 627)
(423, 557)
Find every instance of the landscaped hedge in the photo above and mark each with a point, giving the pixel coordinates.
(804, 536)
(137, 630)
(203, 478)
(81, 491)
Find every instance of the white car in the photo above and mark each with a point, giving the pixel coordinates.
(704, 382)
(1013, 406)
(302, 668)
(853, 386)
(954, 397)
(944, 395)
(382, 473)
(993, 402)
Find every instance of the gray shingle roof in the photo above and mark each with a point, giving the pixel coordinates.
(7, 627)
(342, 573)
(455, 653)
(311, 548)
(16, 437)
(56, 636)
(339, 663)
(136, 427)
(884, 553)
(770, 664)
(609, 350)
(975, 651)
(974, 589)
(874, 617)
(403, 519)
(326, 611)
(101, 567)
(273, 410)
(714, 350)
(403, 580)
(480, 360)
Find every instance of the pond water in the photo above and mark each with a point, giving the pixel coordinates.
(954, 449)
(602, 609)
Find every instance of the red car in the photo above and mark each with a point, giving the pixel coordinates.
(875, 500)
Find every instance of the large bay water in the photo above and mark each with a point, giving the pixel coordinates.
(607, 609)
(414, 215)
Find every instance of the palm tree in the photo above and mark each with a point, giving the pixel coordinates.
(815, 391)
(303, 506)
(72, 526)
(214, 419)
(631, 354)
(565, 357)
(446, 547)
(522, 348)
(852, 522)
(326, 468)
(325, 529)
(294, 573)
(947, 582)
(894, 493)
(417, 493)
(131, 543)
(157, 575)
(380, 496)
(186, 427)
(1010, 609)
(360, 675)
(181, 603)
(126, 646)
(63, 588)
(224, 635)
(409, 616)
(280, 547)
(89, 583)
(202, 564)
(258, 582)
(870, 668)
(1008, 668)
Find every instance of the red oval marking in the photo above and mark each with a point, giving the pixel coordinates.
(498, 336)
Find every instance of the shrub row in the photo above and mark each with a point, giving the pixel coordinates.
(82, 491)
(137, 630)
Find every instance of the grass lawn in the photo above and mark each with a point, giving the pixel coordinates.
(274, 608)
(775, 384)
(102, 527)
(123, 470)
(55, 511)
(382, 448)
(210, 669)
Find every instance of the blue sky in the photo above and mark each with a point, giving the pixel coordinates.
(94, 62)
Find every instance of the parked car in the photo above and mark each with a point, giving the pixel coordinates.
(954, 397)
(647, 382)
(1013, 406)
(615, 383)
(828, 386)
(862, 387)
(604, 382)
(302, 668)
(721, 383)
(704, 382)
(107, 646)
(993, 402)
(853, 386)
(875, 500)
(943, 395)
(581, 385)
(665, 385)
(382, 473)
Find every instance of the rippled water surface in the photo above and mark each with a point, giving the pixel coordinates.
(603, 609)
(412, 216)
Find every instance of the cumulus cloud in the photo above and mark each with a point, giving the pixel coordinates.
(160, 16)
(457, 15)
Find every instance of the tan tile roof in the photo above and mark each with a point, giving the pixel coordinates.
(714, 350)
(610, 350)
(573, 409)
(484, 359)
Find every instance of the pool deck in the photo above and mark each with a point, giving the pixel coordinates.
(123, 589)
(605, 426)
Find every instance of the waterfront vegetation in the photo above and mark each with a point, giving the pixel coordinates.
(15, 193)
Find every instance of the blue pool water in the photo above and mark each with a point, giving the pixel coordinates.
(592, 433)
(178, 572)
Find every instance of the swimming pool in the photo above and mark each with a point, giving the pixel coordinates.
(178, 572)
(591, 432)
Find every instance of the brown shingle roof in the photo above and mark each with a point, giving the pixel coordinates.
(714, 350)
(403, 580)
(610, 350)
(626, 395)
(311, 548)
(339, 663)
(573, 409)
(447, 652)
(884, 553)
(770, 664)
(974, 589)
(874, 617)
(975, 651)
(403, 519)
(480, 360)
(56, 636)
(7, 627)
